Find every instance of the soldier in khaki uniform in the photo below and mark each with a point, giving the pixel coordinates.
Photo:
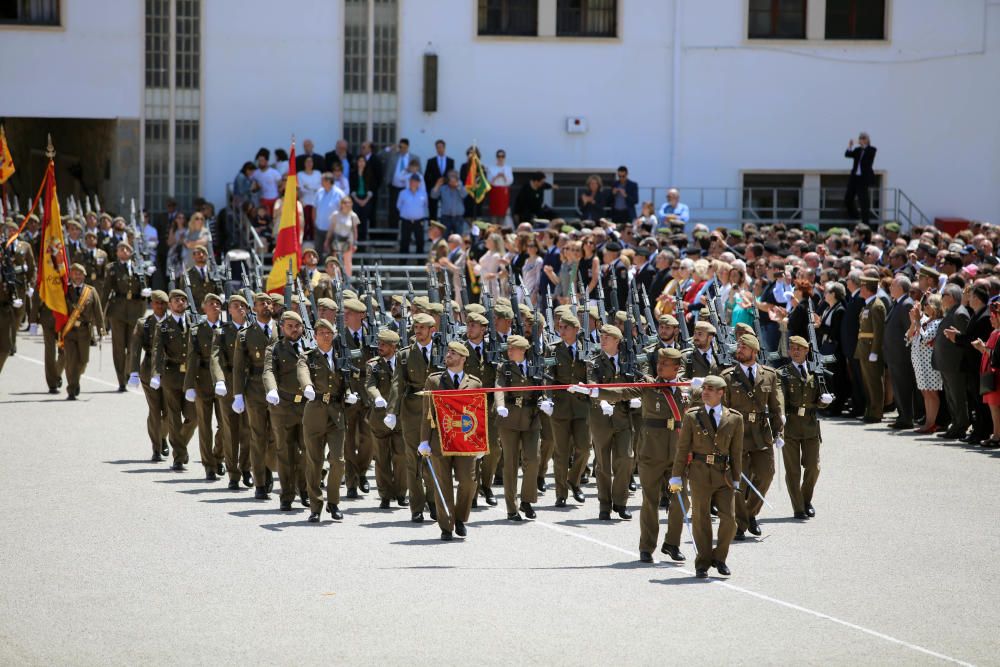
(413, 367)
(520, 428)
(170, 350)
(701, 360)
(449, 468)
(8, 305)
(571, 412)
(84, 307)
(490, 472)
(802, 436)
(754, 392)
(477, 365)
(199, 387)
(141, 371)
(709, 454)
(324, 421)
(390, 450)
(126, 295)
(869, 350)
(93, 259)
(358, 445)
(200, 276)
(249, 393)
(54, 359)
(23, 258)
(284, 395)
(666, 336)
(235, 425)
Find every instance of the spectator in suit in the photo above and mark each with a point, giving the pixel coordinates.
(990, 364)
(437, 168)
(849, 340)
(949, 357)
(319, 164)
(593, 201)
(339, 155)
(828, 332)
(398, 174)
(373, 180)
(862, 177)
(897, 355)
(363, 194)
(624, 197)
(979, 329)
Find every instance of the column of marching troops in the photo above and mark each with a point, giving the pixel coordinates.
(706, 444)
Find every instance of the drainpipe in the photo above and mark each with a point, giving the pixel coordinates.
(675, 88)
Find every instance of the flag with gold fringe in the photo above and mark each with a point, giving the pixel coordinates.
(287, 247)
(53, 274)
(461, 418)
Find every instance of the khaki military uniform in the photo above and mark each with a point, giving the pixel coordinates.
(24, 272)
(324, 424)
(696, 366)
(358, 445)
(76, 341)
(198, 376)
(53, 355)
(248, 381)
(141, 362)
(281, 373)
(763, 414)
(519, 431)
(449, 469)
(95, 261)
(612, 437)
(410, 377)
(390, 451)
(235, 427)
(710, 458)
(802, 435)
(202, 284)
(123, 287)
(477, 366)
(170, 351)
(871, 329)
(570, 421)
(7, 296)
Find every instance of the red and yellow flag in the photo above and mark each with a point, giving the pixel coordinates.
(53, 274)
(476, 183)
(6, 161)
(461, 419)
(287, 248)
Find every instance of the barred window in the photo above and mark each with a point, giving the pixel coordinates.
(188, 54)
(855, 19)
(586, 18)
(29, 12)
(777, 19)
(157, 43)
(508, 17)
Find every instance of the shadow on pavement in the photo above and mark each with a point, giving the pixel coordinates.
(278, 527)
(683, 581)
(124, 462)
(143, 470)
(210, 489)
(234, 499)
(589, 522)
(186, 480)
(246, 514)
(425, 542)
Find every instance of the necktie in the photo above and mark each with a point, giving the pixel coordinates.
(427, 356)
(201, 272)
(454, 378)
(267, 330)
(523, 372)
(357, 339)
(295, 347)
(329, 359)
(479, 353)
(715, 421)
(704, 355)
(614, 365)
(572, 351)
(750, 374)
(802, 372)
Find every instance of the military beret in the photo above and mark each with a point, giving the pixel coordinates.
(13, 225)
(669, 320)
(176, 294)
(504, 312)
(519, 342)
(435, 223)
(458, 348)
(90, 232)
(455, 306)
(158, 295)
(199, 248)
(350, 294)
(702, 325)
(798, 340)
(326, 302)
(714, 382)
(399, 298)
(238, 298)
(929, 272)
(125, 244)
(736, 233)
(435, 308)
(424, 319)
(562, 308)
(567, 229)
(478, 318)
(421, 302)
(261, 296)
(278, 299)
(594, 312)
(621, 316)
(475, 308)
(744, 328)
(892, 227)
(331, 259)
(613, 246)
(750, 341)
(526, 312)
(810, 228)
(71, 223)
(669, 353)
(611, 330)
(212, 297)
(323, 323)
(504, 301)
(388, 336)
(870, 281)
(570, 319)
(310, 251)
(291, 315)
(354, 305)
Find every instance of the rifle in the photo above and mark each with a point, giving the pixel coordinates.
(816, 362)
(344, 354)
(371, 336)
(289, 287)
(172, 280)
(633, 309)
(647, 311)
(762, 355)
(141, 251)
(493, 346)
(587, 346)
(550, 324)
(615, 306)
(628, 357)
(192, 309)
(309, 335)
(258, 265)
(433, 289)
(247, 294)
(404, 324)
(683, 333)
(383, 318)
(602, 311)
(723, 350)
(448, 325)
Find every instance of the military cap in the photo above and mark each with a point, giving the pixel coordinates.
(643, 251)
(744, 328)
(668, 319)
(702, 325)
(424, 319)
(929, 272)
(104, 216)
(503, 301)
(326, 302)
(567, 229)
(594, 312)
(570, 319)
(331, 259)
(621, 315)
(323, 323)
(261, 296)
(435, 308)
(504, 312)
(519, 342)
(478, 318)
(388, 336)
(158, 295)
(477, 308)
(455, 306)
(750, 341)
(199, 248)
(90, 232)
(278, 299)
(124, 244)
(421, 302)
(13, 225)
(238, 298)
(311, 251)
(669, 353)
(798, 340)
(870, 281)
(562, 308)
(892, 227)
(526, 312)
(435, 223)
(613, 246)
(459, 348)
(611, 330)
(212, 297)
(350, 294)
(34, 218)
(736, 233)
(291, 315)
(70, 223)
(354, 305)
(177, 294)
(714, 382)
(399, 298)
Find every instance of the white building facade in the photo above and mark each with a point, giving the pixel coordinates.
(713, 97)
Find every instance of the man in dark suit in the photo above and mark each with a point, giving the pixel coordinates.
(624, 197)
(897, 354)
(849, 341)
(319, 163)
(979, 329)
(829, 332)
(340, 154)
(862, 176)
(373, 177)
(436, 170)
(949, 357)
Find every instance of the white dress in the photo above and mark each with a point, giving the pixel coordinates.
(928, 379)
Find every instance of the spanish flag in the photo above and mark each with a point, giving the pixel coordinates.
(53, 273)
(6, 161)
(287, 249)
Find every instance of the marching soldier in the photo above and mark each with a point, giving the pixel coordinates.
(126, 298)
(281, 381)
(9, 302)
(324, 421)
(141, 371)
(93, 259)
(390, 450)
(23, 258)
(170, 350)
(666, 336)
(490, 471)
(200, 276)
(249, 392)
(54, 359)
(571, 413)
(477, 365)
(700, 360)
(309, 274)
(753, 391)
(520, 428)
(199, 387)
(75, 244)
(869, 349)
(413, 366)
(449, 468)
(235, 425)
(358, 446)
(802, 434)
(709, 454)
(84, 306)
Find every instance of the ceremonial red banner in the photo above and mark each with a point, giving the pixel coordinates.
(461, 420)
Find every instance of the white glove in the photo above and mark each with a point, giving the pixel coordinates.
(30, 292)
(146, 292)
(480, 455)
(635, 403)
(595, 392)
(133, 379)
(502, 411)
(826, 398)
(779, 443)
(736, 485)
(150, 270)
(33, 329)
(872, 357)
(676, 484)
(220, 388)
(189, 396)
(607, 409)
(390, 421)
(309, 393)
(154, 382)
(351, 398)
(424, 449)
(238, 405)
(17, 303)
(272, 397)
(578, 389)
(546, 406)
(380, 402)
(697, 382)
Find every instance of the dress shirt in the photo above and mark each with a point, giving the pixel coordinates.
(412, 205)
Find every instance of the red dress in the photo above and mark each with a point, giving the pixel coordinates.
(499, 201)
(993, 397)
